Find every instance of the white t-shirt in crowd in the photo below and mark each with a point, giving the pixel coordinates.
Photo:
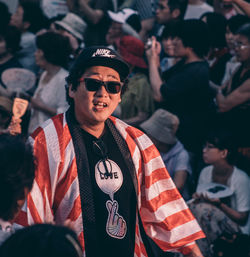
(53, 94)
(195, 11)
(53, 8)
(239, 183)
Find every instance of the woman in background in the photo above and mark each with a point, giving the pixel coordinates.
(49, 99)
(225, 213)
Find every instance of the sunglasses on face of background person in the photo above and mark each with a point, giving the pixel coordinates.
(112, 87)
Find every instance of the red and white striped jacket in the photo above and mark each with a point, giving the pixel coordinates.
(55, 195)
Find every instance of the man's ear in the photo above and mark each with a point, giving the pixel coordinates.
(71, 91)
(224, 153)
(176, 13)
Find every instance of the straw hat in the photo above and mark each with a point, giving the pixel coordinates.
(73, 24)
(162, 125)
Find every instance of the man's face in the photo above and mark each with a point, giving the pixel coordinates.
(163, 13)
(179, 49)
(242, 48)
(17, 18)
(168, 46)
(114, 32)
(93, 108)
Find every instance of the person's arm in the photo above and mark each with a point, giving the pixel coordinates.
(154, 75)
(237, 216)
(38, 104)
(237, 97)
(146, 27)
(180, 178)
(195, 252)
(90, 14)
(241, 4)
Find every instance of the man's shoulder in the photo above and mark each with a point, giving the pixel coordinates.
(53, 123)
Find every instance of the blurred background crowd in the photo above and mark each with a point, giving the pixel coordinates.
(189, 90)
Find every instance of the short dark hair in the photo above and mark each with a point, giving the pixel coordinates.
(42, 240)
(12, 38)
(216, 24)
(236, 21)
(178, 4)
(244, 30)
(17, 172)
(33, 14)
(194, 34)
(4, 15)
(56, 47)
(170, 29)
(224, 141)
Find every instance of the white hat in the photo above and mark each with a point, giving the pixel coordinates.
(122, 15)
(73, 24)
(162, 125)
(130, 20)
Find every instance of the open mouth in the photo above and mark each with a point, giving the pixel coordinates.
(100, 105)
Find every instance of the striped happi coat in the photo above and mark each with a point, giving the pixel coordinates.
(55, 195)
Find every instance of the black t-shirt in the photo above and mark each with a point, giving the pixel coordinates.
(187, 94)
(115, 213)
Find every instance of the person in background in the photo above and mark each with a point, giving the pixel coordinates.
(233, 97)
(167, 56)
(103, 174)
(137, 102)
(17, 171)
(5, 112)
(4, 15)
(124, 22)
(42, 240)
(241, 5)
(184, 89)
(29, 19)
(49, 98)
(161, 127)
(219, 53)
(73, 27)
(9, 46)
(94, 13)
(167, 10)
(196, 8)
(146, 10)
(233, 24)
(229, 213)
(54, 8)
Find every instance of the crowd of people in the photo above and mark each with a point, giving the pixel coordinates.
(130, 120)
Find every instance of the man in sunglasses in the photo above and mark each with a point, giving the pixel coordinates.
(103, 175)
(167, 10)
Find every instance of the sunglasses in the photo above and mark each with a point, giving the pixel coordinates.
(112, 87)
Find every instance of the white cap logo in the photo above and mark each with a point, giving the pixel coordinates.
(103, 53)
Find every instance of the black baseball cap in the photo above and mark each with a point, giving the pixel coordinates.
(99, 56)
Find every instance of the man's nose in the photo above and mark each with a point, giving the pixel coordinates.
(101, 91)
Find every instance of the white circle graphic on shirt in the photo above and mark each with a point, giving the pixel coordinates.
(111, 183)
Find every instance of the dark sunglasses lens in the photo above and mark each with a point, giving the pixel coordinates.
(92, 84)
(113, 87)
